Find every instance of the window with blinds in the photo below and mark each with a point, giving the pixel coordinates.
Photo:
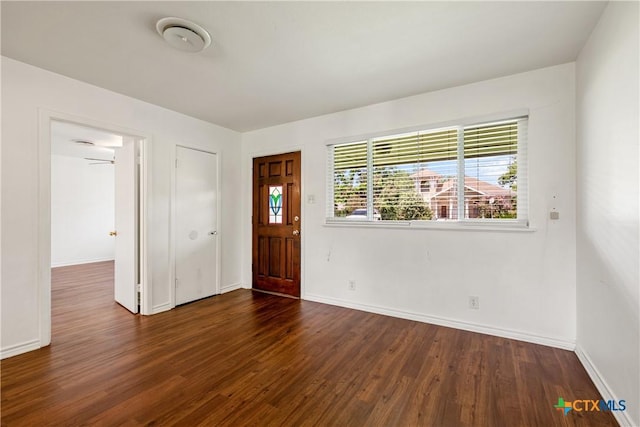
(349, 179)
(473, 173)
(400, 165)
(491, 170)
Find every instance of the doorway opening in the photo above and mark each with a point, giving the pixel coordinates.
(63, 214)
(95, 204)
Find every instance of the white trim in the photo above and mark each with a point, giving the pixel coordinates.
(450, 323)
(172, 229)
(429, 225)
(161, 307)
(220, 236)
(44, 226)
(45, 117)
(231, 287)
(622, 417)
(303, 221)
(144, 226)
(79, 262)
(16, 349)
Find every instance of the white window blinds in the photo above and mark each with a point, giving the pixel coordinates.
(491, 170)
(398, 165)
(349, 178)
(461, 173)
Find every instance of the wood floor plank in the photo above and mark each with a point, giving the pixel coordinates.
(247, 358)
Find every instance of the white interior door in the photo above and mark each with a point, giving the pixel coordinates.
(126, 225)
(196, 224)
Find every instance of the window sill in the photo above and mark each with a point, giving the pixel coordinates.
(431, 225)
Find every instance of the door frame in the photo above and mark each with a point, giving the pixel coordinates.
(220, 235)
(45, 117)
(249, 209)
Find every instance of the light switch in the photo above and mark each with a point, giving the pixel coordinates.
(554, 215)
(311, 199)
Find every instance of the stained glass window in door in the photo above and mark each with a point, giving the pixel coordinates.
(275, 204)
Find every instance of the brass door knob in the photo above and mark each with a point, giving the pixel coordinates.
(296, 232)
(113, 233)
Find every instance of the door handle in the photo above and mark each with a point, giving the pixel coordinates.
(213, 233)
(113, 233)
(296, 232)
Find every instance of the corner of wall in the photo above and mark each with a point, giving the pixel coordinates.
(607, 238)
(622, 417)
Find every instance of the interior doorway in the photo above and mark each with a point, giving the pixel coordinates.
(46, 119)
(95, 180)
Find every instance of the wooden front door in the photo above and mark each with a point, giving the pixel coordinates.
(276, 224)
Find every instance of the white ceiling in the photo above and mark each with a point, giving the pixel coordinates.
(275, 62)
(64, 136)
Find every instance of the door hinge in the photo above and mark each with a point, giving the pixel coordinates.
(176, 284)
(176, 163)
(138, 287)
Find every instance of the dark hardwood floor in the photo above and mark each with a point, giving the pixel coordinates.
(248, 358)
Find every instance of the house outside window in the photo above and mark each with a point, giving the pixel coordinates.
(464, 173)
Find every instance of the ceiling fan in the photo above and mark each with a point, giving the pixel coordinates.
(100, 161)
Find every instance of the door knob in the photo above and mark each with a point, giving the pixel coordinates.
(113, 233)
(296, 218)
(296, 232)
(213, 233)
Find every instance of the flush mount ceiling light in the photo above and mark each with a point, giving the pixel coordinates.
(183, 34)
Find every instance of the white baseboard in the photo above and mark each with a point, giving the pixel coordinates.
(16, 349)
(623, 418)
(78, 262)
(450, 323)
(232, 287)
(161, 307)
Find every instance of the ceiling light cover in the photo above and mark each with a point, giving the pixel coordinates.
(184, 35)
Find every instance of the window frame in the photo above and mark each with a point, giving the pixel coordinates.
(520, 223)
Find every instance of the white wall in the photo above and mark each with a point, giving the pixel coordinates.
(25, 90)
(525, 280)
(82, 211)
(608, 247)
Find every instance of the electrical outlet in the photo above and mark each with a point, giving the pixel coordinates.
(474, 303)
(352, 285)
